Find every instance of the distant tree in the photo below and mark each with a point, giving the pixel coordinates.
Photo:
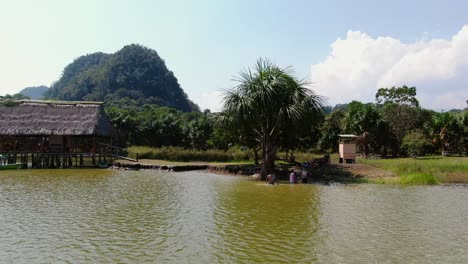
(399, 95)
(11, 100)
(16, 96)
(302, 136)
(267, 101)
(400, 114)
(362, 120)
(416, 143)
(359, 117)
(400, 119)
(198, 130)
(330, 130)
(228, 132)
(125, 124)
(453, 135)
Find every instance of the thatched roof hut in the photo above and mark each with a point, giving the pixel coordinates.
(60, 118)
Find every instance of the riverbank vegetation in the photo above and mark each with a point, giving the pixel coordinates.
(446, 169)
(409, 179)
(191, 155)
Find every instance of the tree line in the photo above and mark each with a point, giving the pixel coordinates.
(276, 118)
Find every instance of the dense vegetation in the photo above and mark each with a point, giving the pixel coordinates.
(133, 76)
(10, 100)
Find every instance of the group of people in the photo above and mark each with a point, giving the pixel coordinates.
(293, 178)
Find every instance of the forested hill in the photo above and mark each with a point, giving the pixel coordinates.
(135, 75)
(36, 92)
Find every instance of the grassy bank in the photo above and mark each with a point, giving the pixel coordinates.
(189, 155)
(423, 170)
(211, 155)
(414, 179)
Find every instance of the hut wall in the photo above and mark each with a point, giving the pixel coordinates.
(56, 144)
(348, 151)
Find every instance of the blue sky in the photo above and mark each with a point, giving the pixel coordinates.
(206, 43)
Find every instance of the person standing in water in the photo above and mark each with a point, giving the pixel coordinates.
(304, 176)
(292, 177)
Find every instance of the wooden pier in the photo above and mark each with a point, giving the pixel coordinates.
(58, 160)
(45, 160)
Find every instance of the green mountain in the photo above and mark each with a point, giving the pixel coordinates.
(35, 92)
(134, 75)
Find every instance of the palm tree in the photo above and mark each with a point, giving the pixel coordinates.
(268, 101)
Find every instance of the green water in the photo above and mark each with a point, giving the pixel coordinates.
(103, 216)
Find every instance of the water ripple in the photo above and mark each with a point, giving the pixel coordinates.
(149, 216)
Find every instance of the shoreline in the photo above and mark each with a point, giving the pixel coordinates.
(334, 172)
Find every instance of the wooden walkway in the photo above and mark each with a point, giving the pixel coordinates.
(58, 160)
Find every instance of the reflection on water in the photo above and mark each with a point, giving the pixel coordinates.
(196, 217)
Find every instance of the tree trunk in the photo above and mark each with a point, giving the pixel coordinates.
(255, 150)
(384, 152)
(268, 164)
(269, 153)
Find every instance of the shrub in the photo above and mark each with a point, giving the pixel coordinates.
(419, 178)
(415, 143)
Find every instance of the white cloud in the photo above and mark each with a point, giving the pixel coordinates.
(358, 65)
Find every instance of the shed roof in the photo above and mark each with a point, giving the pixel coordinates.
(42, 118)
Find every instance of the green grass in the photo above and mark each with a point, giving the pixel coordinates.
(430, 168)
(189, 155)
(412, 179)
(211, 155)
(419, 178)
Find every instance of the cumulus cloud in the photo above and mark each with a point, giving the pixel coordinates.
(359, 64)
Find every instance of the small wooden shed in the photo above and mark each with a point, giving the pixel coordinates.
(347, 149)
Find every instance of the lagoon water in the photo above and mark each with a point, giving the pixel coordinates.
(90, 216)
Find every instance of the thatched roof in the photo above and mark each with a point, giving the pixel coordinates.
(42, 118)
